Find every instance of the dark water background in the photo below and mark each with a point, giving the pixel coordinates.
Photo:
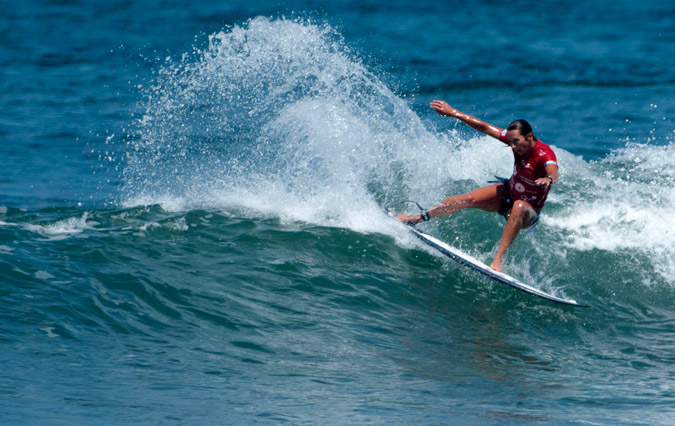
(191, 228)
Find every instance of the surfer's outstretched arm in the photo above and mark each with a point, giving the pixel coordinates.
(443, 108)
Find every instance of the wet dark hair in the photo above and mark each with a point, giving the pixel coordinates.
(522, 126)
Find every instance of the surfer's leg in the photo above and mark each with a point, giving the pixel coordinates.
(521, 216)
(485, 198)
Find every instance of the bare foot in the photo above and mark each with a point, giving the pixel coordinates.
(409, 219)
(496, 265)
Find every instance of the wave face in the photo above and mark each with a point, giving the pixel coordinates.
(280, 118)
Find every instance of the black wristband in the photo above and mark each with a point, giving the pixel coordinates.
(425, 216)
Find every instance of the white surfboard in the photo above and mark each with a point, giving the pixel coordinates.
(481, 267)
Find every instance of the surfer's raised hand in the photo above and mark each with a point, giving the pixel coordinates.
(443, 108)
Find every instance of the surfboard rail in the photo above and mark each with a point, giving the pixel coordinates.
(475, 264)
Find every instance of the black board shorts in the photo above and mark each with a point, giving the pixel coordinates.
(506, 203)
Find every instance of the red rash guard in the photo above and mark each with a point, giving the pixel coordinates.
(526, 170)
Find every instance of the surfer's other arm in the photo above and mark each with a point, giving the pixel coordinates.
(551, 175)
(443, 108)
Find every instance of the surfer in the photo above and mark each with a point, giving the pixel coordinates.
(520, 198)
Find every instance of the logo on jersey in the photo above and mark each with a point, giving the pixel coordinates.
(520, 187)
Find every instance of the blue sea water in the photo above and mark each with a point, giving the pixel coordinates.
(191, 223)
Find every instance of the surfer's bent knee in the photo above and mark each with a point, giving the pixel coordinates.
(525, 212)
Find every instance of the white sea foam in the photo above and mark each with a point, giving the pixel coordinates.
(44, 275)
(278, 117)
(63, 228)
(49, 331)
(623, 203)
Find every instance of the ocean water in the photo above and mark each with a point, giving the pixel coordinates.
(192, 226)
